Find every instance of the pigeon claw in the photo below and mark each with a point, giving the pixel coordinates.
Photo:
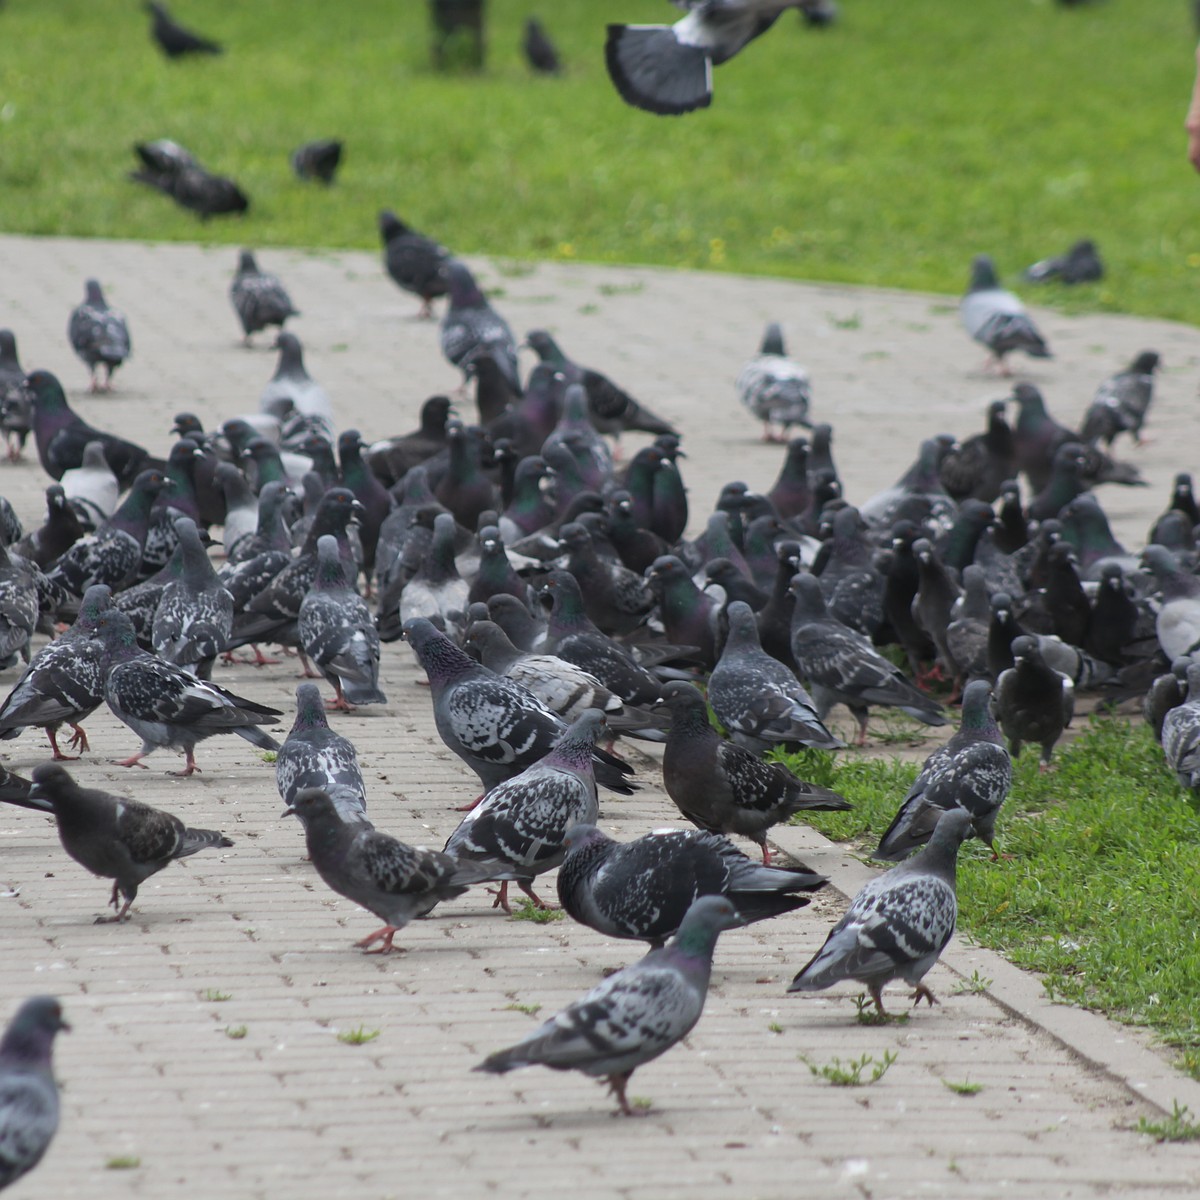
(134, 760)
(617, 1083)
(501, 895)
(923, 993)
(383, 937)
(78, 739)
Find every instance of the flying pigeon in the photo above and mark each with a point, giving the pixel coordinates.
(258, 297)
(394, 881)
(173, 39)
(337, 633)
(166, 706)
(971, 771)
(417, 263)
(1034, 702)
(317, 160)
(471, 326)
(757, 699)
(774, 388)
(519, 826)
(643, 889)
(28, 1093)
(899, 924)
(667, 69)
(1080, 264)
(633, 1016)
(540, 52)
(169, 168)
(314, 756)
(494, 725)
(99, 335)
(64, 684)
(724, 789)
(996, 318)
(114, 837)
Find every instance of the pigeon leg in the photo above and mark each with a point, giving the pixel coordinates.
(134, 760)
(617, 1083)
(766, 851)
(115, 902)
(876, 990)
(309, 673)
(190, 767)
(467, 807)
(383, 936)
(261, 660)
(94, 385)
(425, 312)
(862, 716)
(501, 900)
(339, 702)
(538, 902)
(59, 756)
(922, 992)
(79, 739)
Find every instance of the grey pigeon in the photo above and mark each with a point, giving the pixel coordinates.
(1168, 691)
(166, 706)
(1080, 264)
(258, 297)
(173, 39)
(494, 725)
(520, 825)
(114, 837)
(99, 335)
(414, 261)
(471, 327)
(18, 607)
(1177, 621)
(774, 388)
(633, 1016)
(317, 160)
(899, 924)
(314, 756)
(169, 168)
(540, 52)
(643, 889)
(437, 590)
(16, 405)
(337, 633)
(1122, 401)
(971, 771)
(92, 488)
(194, 618)
(667, 69)
(15, 789)
(842, 666)
(28, 1093)
(1034, 702)
(1181, 734)
(757, 699)
(64, 684)
(996, 318)
(292, 384)
(394, 881)
(724, 789)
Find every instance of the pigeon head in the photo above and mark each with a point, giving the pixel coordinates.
(772, 342)
(464, 291)
(93, 293)
(350, 442)
(1025, 649)
(47, 393)
(1029, 400)
(435, 412)
(561, 595)
(51, 781)
(246, 264)
(330, 573)
(491, 645)
(953, 828)
(545, 347)
(310, 708)
(119, 636)
(390, 225)
(976, 706)
(707, 917)
(1147, 362)
(810, 602)
(441, 659)
(743, 629)
(56, 498)
(722, 571)
(187, 425)
(30, 1035)
(96, 601)
(311, 804)
(576, 746)
(685, 704)
(983, 274)
(291, 353)
(8, 346)
(666, 570)
(581, 836)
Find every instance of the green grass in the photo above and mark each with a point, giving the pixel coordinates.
(886, 150)
(1098, 896)
(123, 1162)
(853, 1072)
(358, 1037)
(963, 1087)
(526, 910)
(1178, 1127)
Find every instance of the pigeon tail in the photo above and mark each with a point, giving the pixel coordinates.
(252, 733)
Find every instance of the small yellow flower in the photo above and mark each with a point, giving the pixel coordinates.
(566, 249)
(1193, 260)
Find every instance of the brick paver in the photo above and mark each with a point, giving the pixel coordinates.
(151, 1071)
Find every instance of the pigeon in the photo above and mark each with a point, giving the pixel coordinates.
(416, 263)
(394, 881)
(899, 924)
(166, 706)
(757, 699)
(1168, 691)
(291, 382)
(1177, 621)
(16, 408)
(643, 889)
(64, 684)
(317, 160)
(519, 826)
(977, 468)
(494, 725)
(633, 1016)
(18, 608)
(1181, 733)
(376, 502)
(1034, 702)
(314, 756)
(472, 327)
(258, 297)
(995, 318)
(1122, 402)
(919, 486)
(689, 616)
(615, 599)
(972, 771)
(464, 489)
(724, 789)
(775, 389)
(117, 838)
(173, 39)
(169, 168)
(337, 633)
(667, 69)
(50, 541)
(841, 665)
(1080, 264)
(540, 52)
(194, 618)
(99, 335)
(28, 1093)
(62, 435)
(395, 458)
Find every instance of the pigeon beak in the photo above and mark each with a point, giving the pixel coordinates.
(288, 812)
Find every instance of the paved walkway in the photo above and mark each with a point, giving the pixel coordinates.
(206, 1030)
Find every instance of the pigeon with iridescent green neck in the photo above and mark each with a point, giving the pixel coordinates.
(633, 1016)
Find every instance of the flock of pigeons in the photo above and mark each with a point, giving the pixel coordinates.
(556, 604)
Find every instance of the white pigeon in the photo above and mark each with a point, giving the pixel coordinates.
(91, 488)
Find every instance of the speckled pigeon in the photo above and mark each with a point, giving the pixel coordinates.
(996, 318)
(642, 889)
(18, 608)
(258, 297)
(774, 388)
(99, 335)
(28, 1093)
(314, 756)
(16, 405)
(414, 261)
(437, 591)
(117, 838)
(1181, 734)
(724, 789)
(899, 924)
(633, 1016)
(472, 327)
